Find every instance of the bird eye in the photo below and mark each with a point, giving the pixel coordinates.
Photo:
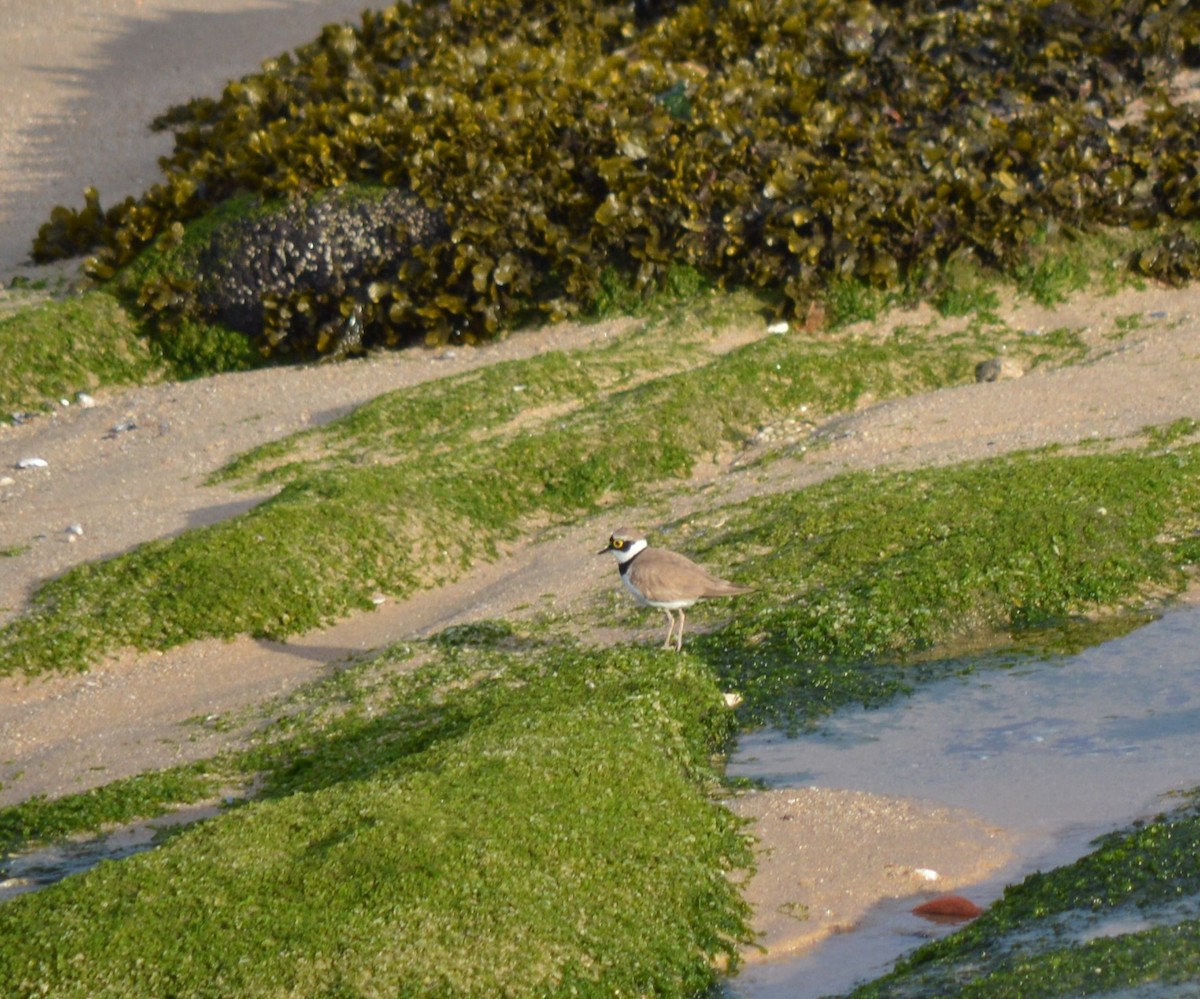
(618, 543)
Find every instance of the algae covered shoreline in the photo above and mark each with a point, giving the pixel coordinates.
(366, 600)
(360, 731)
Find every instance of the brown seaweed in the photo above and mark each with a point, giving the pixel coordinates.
(770, 144)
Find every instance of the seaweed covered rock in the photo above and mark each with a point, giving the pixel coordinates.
(315, 275)
(784, 146)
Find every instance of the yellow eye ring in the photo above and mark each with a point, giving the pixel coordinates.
(618, 543)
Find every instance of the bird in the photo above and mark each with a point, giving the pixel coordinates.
(664, 579)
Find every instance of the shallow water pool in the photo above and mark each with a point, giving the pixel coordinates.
(1059, 749)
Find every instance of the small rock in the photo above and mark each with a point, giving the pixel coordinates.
(995, 369)
(85, 401)
(75, 530)
(948, 909)
(7, 480)
(777, 328)
(121, 428)
(33, 463)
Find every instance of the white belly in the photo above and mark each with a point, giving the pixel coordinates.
(645, 601)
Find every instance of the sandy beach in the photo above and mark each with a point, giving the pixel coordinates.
(84, 79)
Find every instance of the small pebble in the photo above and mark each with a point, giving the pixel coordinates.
(33, 463)
(85, 401)
(997, 368)
(777, 328)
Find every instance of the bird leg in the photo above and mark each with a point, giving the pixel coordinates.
(671, 630)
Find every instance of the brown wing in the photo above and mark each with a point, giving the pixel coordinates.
(659, 570)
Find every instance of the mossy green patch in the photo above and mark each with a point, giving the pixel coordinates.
(1173, 433)
(523, 822)
(41, 819)
(866, 570)
(61, 347)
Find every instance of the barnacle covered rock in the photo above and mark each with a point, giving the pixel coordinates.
(315, 274)
(1173, 258)
(789, 145)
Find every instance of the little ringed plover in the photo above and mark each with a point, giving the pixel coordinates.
(663, 579)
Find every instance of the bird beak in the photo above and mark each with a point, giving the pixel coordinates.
(603, 551)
